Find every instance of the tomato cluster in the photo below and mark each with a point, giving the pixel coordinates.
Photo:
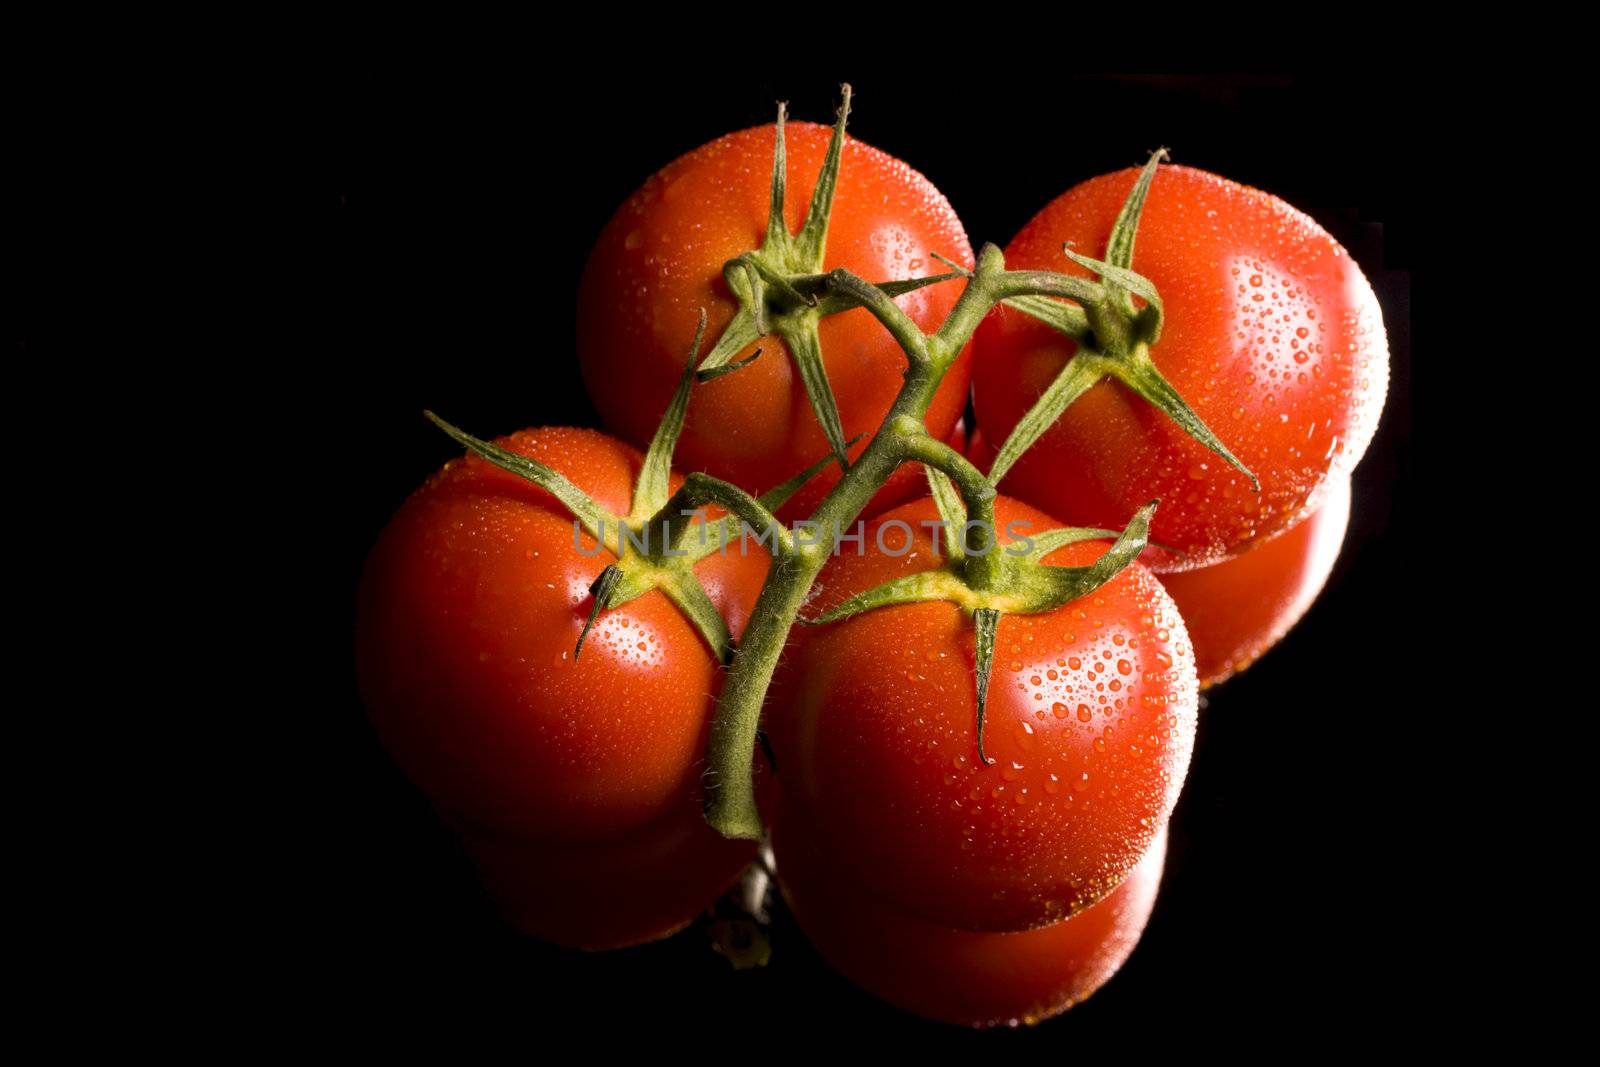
(977, 842)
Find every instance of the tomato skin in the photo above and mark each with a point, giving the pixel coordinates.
(957, 976)
(1272, 334)
(979, 451)
(1238, 609)
(469, 608)
(872, 723)
(660, 258)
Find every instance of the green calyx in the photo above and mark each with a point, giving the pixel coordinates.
(654, 545)
(1020, 585)
(987, 579)
(1114, 334)
(782, 290)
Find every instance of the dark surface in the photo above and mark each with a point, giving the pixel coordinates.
(445, 236)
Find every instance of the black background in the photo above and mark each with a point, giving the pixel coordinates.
(439, 233)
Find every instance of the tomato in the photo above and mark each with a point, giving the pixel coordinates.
(956, 976)
(660, 259)
(979, 451)
(1272, 334)
(957, 437)
(563, 775)
(1238, 609)
(1090, 721)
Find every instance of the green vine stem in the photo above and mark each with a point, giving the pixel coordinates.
(901, 437)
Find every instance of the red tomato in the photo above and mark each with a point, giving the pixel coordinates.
(659, 260)
(957, 437)
(1238, 609)
(956, 976)
(1090, 721)
(980, 452)
(1272, 334)
(469, 609)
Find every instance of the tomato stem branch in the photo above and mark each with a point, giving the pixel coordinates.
(902, 437)
(1115, 334)
(700, 489)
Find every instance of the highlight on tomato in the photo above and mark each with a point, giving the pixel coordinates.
(1236, 610)
(1089, 725)
(1267, 336)
(746, 226)
(957, 976)
(573, 779)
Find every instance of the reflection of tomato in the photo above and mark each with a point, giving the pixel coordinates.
(1271, 334)
(625, 890)
(1090, 721)
(1238, 609)
(954, 976)
(660, 259)
(563, 776)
